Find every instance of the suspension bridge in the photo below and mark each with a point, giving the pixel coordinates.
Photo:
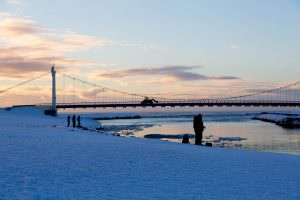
(85, 94)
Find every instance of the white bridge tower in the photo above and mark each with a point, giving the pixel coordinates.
(53, 110)
(53, 72)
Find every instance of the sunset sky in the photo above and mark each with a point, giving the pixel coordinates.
(170, 47)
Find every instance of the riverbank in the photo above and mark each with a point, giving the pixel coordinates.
(285, 120)
(41, 158)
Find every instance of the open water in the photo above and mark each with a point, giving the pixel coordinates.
(224, 128)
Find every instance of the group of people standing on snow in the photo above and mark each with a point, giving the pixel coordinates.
(74, 121)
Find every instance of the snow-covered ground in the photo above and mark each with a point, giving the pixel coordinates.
(274, 117)
(271, 117)
(42, 159)
(292, 120)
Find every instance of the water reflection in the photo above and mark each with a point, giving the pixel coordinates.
(259, 135)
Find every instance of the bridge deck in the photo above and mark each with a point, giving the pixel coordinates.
(182, 104)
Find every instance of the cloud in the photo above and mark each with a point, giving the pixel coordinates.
(15, 2)
(5, 14)
(210, 89)
(169, 73)
(93, 92)
(235, 47)
(11, 27)
(26, 47)
(25, 32)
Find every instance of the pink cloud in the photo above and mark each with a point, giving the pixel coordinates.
(167, 73)
(26, 47)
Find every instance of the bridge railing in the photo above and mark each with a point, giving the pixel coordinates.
(202, 102)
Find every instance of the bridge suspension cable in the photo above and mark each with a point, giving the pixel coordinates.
(119, 91)
(265, 91)
(279, 91)
(102, 87)
(23, 83)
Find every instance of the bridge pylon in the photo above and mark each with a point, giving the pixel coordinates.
(53, 72)
(53, 109)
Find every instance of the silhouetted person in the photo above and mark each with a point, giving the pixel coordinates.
(198, 128)
(78, 122)
(74, 121)
(185, 139)
(69, 120)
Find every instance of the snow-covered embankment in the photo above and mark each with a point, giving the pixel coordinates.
(43, 159)
(281, 119)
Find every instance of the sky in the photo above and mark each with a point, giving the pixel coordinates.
(191, 48)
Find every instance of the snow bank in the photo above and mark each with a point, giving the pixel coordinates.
(43, 159)
(271, 117)
(105, 116)
(34, 116)
(284, 120)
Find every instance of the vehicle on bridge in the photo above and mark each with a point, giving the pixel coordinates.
(148, 101)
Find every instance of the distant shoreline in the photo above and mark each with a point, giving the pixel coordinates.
(281, 119)
(116, 117)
